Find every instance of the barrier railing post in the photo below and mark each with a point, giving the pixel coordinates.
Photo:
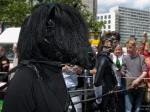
(85, 87)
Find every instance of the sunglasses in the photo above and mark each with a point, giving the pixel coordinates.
(107, 47)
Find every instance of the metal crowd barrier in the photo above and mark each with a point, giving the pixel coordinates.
(133, 78)
(81, 90)
(3, 76)
(3, 72)
(85, 92)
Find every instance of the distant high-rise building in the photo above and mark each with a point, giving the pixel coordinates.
(126, 21)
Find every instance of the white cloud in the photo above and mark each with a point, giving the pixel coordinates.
(141, 3)
(105, 5)
(111, 2)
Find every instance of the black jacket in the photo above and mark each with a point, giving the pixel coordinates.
(29, 93)
(105, 75)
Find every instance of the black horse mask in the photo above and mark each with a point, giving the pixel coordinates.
(56, 32)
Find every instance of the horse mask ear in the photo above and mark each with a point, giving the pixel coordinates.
(50, 21)
(50, 26)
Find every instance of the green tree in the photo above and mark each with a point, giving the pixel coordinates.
(94, 24)
(13, 12)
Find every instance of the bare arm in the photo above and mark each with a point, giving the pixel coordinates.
(137, 81)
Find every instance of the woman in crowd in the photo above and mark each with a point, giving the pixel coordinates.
(117, 56)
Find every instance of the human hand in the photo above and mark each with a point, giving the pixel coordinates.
(77, 69)
(93, 71)
(65, 68)
(135, 83)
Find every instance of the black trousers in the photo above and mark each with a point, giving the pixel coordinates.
(109, 103)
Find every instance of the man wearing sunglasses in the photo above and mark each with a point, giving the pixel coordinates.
(105, 79)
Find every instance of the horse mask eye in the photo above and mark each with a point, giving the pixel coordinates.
(61, 41)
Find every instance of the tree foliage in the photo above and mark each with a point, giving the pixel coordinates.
(94, 24)
(13, 12)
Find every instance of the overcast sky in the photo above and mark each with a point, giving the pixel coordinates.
(105, 5)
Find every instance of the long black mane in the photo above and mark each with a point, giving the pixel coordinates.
(55, 32)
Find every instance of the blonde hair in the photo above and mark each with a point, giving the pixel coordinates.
(131, 42)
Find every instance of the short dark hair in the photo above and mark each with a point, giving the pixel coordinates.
(113, 34)
(116, 35)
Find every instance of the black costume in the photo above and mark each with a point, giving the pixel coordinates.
(54, 35)
(32, 89)
(105, 76)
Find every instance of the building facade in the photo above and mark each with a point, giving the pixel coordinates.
(126, 21)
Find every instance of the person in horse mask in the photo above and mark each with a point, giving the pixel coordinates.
(105, 77)
(52, 36)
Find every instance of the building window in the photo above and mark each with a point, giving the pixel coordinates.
(101, 17)
(109, 21)
(109, 16)
(109, 26)
(105, 17)
(97, 17)
(104, 27)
